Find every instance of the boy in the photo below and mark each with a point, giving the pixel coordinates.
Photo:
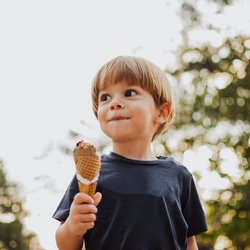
(144, 202)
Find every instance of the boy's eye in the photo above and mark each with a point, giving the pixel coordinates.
(104, 97)
(130, 92)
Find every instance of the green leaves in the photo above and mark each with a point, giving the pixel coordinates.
(213, 104)
(12, 213)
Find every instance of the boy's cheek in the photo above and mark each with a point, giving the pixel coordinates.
(100, 112)
(100, 118)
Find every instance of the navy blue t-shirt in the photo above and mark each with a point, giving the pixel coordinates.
(145, 205)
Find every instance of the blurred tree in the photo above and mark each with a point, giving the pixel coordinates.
(212, 82)
(12, 213)
(213, 89)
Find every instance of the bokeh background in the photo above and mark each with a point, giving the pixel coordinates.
(49, 53)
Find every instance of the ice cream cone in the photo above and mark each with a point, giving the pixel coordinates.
(88, 164)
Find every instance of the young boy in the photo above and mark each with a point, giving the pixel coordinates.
(143, 202)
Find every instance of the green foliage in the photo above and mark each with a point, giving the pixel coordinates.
(213, 110)
(12, 213)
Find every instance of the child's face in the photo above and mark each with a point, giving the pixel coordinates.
(127, 112)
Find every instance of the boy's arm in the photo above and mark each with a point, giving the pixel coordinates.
(191, 243)
(66, 240)
(81, 218)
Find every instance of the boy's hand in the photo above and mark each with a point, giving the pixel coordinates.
(83, 213)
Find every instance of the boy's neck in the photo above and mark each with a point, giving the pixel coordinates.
(136, 151)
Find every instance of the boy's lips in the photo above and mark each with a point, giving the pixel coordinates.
(117, 118)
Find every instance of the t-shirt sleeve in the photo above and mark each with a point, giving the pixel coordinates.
(62, 211)
(193, 211)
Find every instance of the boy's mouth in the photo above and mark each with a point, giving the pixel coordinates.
(118, 118)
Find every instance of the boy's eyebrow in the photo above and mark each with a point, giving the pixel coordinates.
(101, 89)
(102, 92)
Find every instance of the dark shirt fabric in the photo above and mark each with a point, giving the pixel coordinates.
(145, 205)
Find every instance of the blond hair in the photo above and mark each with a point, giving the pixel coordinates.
(136, 71)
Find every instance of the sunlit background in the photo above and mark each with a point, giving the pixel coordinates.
(49, 53)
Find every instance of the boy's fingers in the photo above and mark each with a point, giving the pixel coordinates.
(97, 198)
(87, 217)
(83, 198)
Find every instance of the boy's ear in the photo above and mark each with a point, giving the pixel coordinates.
(163, 113)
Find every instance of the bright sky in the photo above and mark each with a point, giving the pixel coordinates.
(49, 53)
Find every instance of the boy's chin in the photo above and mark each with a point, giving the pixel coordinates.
(120, 138)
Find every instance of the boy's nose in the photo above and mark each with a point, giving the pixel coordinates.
(116, 104)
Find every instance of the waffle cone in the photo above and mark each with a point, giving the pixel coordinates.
(87, 189)
(88, 167)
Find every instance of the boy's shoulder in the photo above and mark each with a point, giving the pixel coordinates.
(174, 165)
